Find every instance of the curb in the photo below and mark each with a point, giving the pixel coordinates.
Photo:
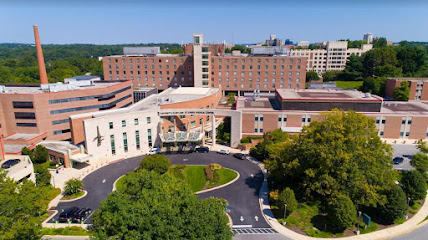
(221, 186)
(114, 184)
(71, 200)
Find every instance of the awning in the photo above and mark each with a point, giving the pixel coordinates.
(81, 157)
(291, 129)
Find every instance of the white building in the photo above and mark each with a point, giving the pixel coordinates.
(368, 37)
(333, 57)
(303, 44)
(22, 169)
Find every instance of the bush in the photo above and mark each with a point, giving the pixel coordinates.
(215, 166)
(342, 213)
(158, 163)
(40, 154)
(43, 176)
(414, 185)
(420, 162)
(28, 152)
(287, 197)
(396, 205)
(73, 186)
(209, 173)
(245, 140)
(274, 195)
(231, 98)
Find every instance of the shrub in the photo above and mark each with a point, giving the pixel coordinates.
(40, 154)
(158, 163)
(414, 185)
(28, 152)
(43, 176)
(215, 166)
(73, 186)
(396, 204)
(274, 195)
(341, 212)
(209, 173)
(245, 140)
(287, 197)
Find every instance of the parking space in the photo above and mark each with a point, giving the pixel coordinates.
(406, 152)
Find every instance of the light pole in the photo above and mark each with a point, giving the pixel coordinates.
(358, 226)
(408, 205)
(285, 211)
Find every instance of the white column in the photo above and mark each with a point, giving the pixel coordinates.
(213, 134)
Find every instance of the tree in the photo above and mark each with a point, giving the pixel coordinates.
(21, 207)
(422, 146)
(287, 197)
(153, 206)
(354, 63)
(312, 76)
(375, 60)
(40, 154)
(265, 147)
(73, 186)
(420, 162)
(379, 42)
(374, 85)
(342, 154)
(330, 76)
(402, 93)
(411, 59)
(396, 204)
(414, 185)
(231, 99)
(28, 152)
(341, 212)
(157, 163)
(43, 176)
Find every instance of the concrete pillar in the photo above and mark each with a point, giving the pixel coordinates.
(214, 134)
(40, 59)
(203, 134)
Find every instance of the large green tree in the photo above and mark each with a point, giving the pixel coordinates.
(269, 144)
(379, 42)
(157, 206)
(380, 62)
(411, 59)
(414, 185)
(312, 76)
(420, 162)
(40, 154)
(158, 163)
(402, 93)
(396, 204)
(340, 155)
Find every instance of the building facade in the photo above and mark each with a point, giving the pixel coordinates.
(418, 88)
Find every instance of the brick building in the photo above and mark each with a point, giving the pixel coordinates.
(418, 88)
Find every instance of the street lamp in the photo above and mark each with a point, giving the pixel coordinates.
(408, 205)
(358, 226)
(285, 211)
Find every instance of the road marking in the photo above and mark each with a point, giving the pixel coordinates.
(242, 226)
(104, 180)
(257, 218)
(252, 175)
(88, 216)
(185, 159)
(242, 219)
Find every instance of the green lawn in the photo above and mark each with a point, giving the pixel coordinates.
(195, 176)
(70, 231)
(73, 196)
(226, 175)
(349, 84)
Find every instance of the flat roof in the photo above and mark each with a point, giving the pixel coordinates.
(59, 146)
(33, 89)
(13, 148)
(326, 95)
(393, 106)
(22, 136)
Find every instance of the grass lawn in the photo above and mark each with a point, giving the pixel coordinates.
(71, 231)
(349, 84)
(226, 175)
(195, 176)
(76, 195)
(373, 227)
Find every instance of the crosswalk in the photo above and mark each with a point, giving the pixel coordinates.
(254, 230)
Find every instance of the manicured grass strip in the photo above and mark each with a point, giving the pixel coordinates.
(349, 84)
(226, 175)
(120, 183)
(71, 231)
(195, 176)
(76, 195)
(373, 227)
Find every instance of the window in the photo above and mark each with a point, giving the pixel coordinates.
(22, 104)
(135, 121)
(381, 133)
(193, 124)
(383, 121)
(123, 123)
(279, 119)
(113, 148)
(409, 122)
(255, 129)
(261, 130)
(401, 134)
(256, 119)
(407, 134)
(60, 121)
(149, 136)
(25, 115)
(26, 124)
(125, 142)
(285, 119)
(61, 131)
(261, 119)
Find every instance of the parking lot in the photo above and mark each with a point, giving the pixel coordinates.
(406, 152)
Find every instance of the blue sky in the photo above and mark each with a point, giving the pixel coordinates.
(142, 21)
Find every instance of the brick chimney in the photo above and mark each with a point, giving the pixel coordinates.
(40, 59)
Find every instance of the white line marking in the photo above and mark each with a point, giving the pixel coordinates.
(242, 219)
(257, 218)
(104, 180)
(242, 226)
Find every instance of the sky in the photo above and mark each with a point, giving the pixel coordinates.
(235, 21)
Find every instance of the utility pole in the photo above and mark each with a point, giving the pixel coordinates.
(358, 226)
(285, 211)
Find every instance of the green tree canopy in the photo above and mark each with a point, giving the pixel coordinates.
(402, 93)
(375, 60)
(73, 186)
(40, 154)
(154, 206)
(287, 197)
(414, 185)
(379, 42)
(420, 162)
(158, 163)
(311, 76)
(341, 212)
(43, 176)
(330, 76)
(271, 140)
(396, 204)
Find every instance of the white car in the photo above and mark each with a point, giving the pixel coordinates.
(153, 150)
(224, 151)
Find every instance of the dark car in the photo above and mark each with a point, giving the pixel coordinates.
(67, 215)
(81, 214)
(10, 163)
(398, 160)
(240, 156)
(202, 149)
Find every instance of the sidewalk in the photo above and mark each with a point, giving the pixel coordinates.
(409, 226)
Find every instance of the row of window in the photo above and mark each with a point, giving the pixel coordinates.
(17, 104)
(257, 85)
(136, 122)
(279, 119)
(62, 131)
(25, 115)
(100, 97)
(101, 106)
(290, 67)
(258, 79)
(258, 73)
(125, 141)
(145, 60)
(152, 67)
(60, 121)
(235, 60)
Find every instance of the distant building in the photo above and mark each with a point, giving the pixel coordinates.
(418, 88)
(141, 93)
(288, 42)
(303, 44)
(368, 37)
(333, 57)
(389, 43)
(322, 85)
(273, 41)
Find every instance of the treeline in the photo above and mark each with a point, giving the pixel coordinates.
(18, 62)
(380, 63)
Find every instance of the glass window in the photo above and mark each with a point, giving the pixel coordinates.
(125, 142)
(110, 125)
(123, 123)
(113, 148)
(136, 121)
(149, 136)
(150, 121)
(137, 139)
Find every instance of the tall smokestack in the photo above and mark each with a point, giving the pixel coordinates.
(40, 59)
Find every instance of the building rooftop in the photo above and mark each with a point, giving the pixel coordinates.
(21, 136)
(416, 107)
(326, 95)
(35, 89)
(59, 146)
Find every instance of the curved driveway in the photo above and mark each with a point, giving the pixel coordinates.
(242, 195)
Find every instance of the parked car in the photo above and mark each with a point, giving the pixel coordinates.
(240, 156)
(10, 163)
(67, 215)
(224, 151)
(154, 150)
(81, 215)
(202, 149)
(398, 160)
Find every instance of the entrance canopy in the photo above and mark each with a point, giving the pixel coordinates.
(171, 137)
